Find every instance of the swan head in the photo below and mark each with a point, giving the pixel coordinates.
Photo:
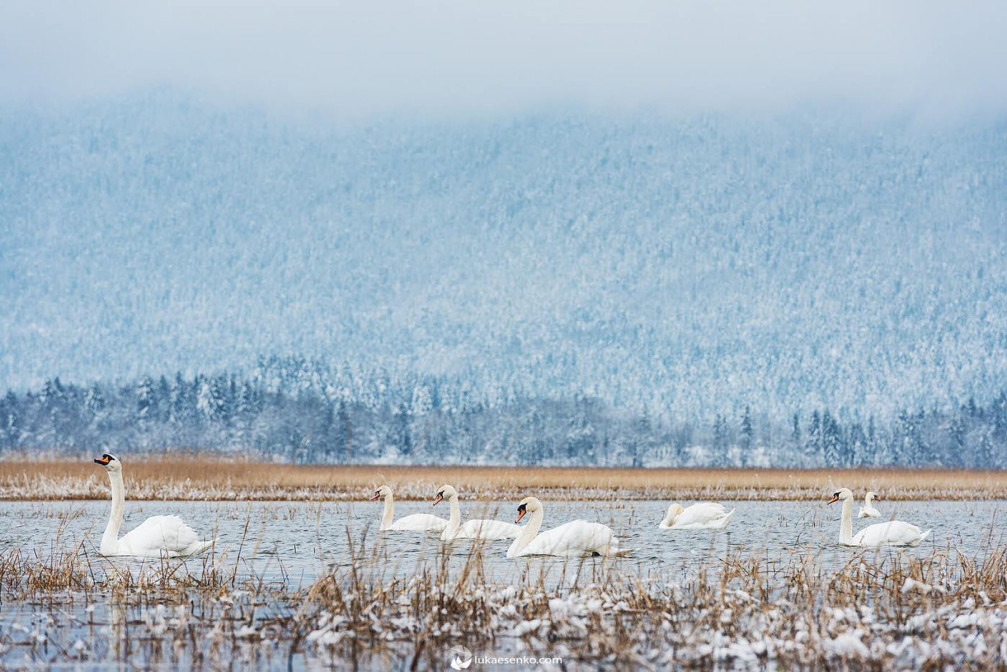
(381, 493)
(871, 496)
(527, 505)
(110, 462)
(674, 511)
(843, 494)
(447, 492)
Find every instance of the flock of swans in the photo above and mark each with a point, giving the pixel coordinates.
(169, 536)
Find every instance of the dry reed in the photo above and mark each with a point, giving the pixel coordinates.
(198, 477)
(881, 610)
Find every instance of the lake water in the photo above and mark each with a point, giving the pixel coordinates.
(289, 544)
(296, 541)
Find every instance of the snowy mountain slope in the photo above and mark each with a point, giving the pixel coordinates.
(690, 266)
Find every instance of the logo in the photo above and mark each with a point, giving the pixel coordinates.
(460, 657)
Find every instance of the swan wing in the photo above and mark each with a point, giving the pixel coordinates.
(489, 530)
(869, 512)
(419, 522)
(893, 533)
(703, 516)
(721, 523)
(167, 535)
(573, 539)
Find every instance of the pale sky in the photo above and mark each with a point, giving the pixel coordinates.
(937, 59)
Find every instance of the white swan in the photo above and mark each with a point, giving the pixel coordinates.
(155, 537)
(892, 533)
(572, 539)
(418, 522)
(868, 510)
(490, 530)
(701, 516)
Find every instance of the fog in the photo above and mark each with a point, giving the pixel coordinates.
(932, 59)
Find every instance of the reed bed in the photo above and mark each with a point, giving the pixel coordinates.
(739, 609)
(880, 611)
(67, 606)
(202, 478)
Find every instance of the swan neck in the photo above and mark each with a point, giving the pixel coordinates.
(669, 518)
(455, 519)
(846, 523)
(389, 512)
(110, 538)
(529, 532)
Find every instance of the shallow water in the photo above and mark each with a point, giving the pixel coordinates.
(295, 541)
(289, 544)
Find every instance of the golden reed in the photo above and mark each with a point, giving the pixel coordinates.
(180, 476)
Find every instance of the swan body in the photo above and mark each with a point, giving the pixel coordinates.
(418, 522)
(868, 510)
(167, 535)
(892, 533)
(489, 530)
(701, 516)
(572, 539)
(158, 536)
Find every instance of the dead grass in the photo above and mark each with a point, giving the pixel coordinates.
(879, 610)
(64, 606)
(901, 611)
(191, 477)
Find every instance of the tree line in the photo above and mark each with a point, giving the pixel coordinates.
(273, 414)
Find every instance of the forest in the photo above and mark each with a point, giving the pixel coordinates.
(298, 410)
(689, 266)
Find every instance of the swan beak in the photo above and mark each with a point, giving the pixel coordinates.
(376, 496)
(834, 498)
(520, 515)
(103, 460)
(438, 499)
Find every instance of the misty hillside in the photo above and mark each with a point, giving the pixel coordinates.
(691, 267)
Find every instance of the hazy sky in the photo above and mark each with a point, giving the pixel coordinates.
(942, 59)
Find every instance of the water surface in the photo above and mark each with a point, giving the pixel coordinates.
(295, 541)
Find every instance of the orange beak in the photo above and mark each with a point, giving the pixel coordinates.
(834, 498)
(377, 494)
(520, 515)
(103, 460)
(438, 499)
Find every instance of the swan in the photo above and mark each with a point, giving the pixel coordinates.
(490, 530)
(155, 537)
(572, 539)
(892, 533)
(418, 522)
(702, 516)
(868, 510)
